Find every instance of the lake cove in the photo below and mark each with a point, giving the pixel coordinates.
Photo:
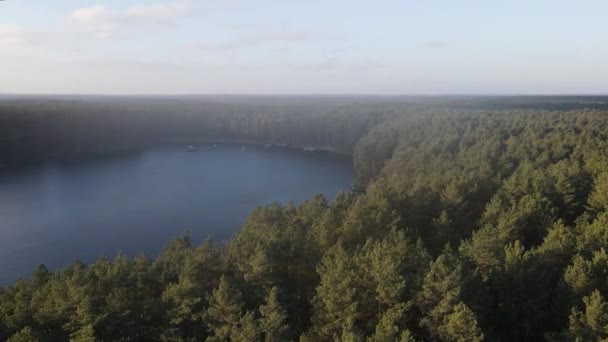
(56, 213)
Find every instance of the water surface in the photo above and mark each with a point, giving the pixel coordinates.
(59, 212)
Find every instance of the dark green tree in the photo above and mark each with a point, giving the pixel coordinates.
(225, 311)
(273, 320)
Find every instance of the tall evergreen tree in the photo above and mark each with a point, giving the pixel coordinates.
(273, 322)
(24, 335)
(340, 300)
(225, 309)
(592, 324)
(247, 329)
(441, 292)
(461, 325)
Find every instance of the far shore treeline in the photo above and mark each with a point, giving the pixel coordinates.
(484, 219)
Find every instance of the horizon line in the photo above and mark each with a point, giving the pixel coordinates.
(2, 94)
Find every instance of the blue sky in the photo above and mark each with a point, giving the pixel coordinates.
(320, 47)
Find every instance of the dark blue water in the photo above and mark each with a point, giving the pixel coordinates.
(57, 213)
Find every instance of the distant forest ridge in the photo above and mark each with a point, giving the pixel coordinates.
(35, 128)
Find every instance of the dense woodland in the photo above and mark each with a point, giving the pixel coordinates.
(35, 129)
(477, 225)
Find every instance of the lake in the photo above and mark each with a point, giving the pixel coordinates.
(136, 203)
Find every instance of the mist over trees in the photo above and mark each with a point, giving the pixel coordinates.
(476, 225)
(63, 128)
(38, 128)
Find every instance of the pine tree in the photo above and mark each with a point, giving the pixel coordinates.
(24, 335)
(591, 325)
(461, 325)
(407, 336)
(392, 324)
(583, 276)
(84, 334)
(443, 230)
(486, 249)
(260, 268)
(594, 235)
(273, 322)
(16, 308)
(224, 313)
(185, 303)
(396, 268)
(171, 260)
(185, 300)
(598, 199)
(339, 299)
(40, 276)
(349, 334)
(247, 329)
(441, 291)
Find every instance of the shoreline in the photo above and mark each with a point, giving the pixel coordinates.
(83, 154)
(270, 145)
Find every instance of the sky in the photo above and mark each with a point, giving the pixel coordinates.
(303, 47)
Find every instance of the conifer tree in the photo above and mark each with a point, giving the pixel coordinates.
(84, 334)
(247, 329)
(461, 325)
(339, 299)
(273, 322)
(224, 313)
(392, 324)
(598, 199)
(349, 334)
(592, 324)
(441, 292)
(24, 335)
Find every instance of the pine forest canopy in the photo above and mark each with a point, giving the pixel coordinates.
(484, 219)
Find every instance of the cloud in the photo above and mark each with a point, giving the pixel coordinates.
(97, 20)
(105, 23)
(12, 35)
(158, 13)
(91, 14)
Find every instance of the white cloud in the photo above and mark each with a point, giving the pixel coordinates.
(91, 14)
(12, 35)
(96, 19)
(158, 13)
(104, 23)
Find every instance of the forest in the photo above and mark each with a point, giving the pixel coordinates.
(480, 222)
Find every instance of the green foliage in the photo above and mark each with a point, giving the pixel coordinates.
(592, 324)
(395, 268)
(598, 199)
(441, 291)
(246, 330)
(461, 325)
(24, 335)
(340, 297)
(223, 317)
(585, 275)
(392, 324)
(273, 320)
(185, 300)
(518, 198)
